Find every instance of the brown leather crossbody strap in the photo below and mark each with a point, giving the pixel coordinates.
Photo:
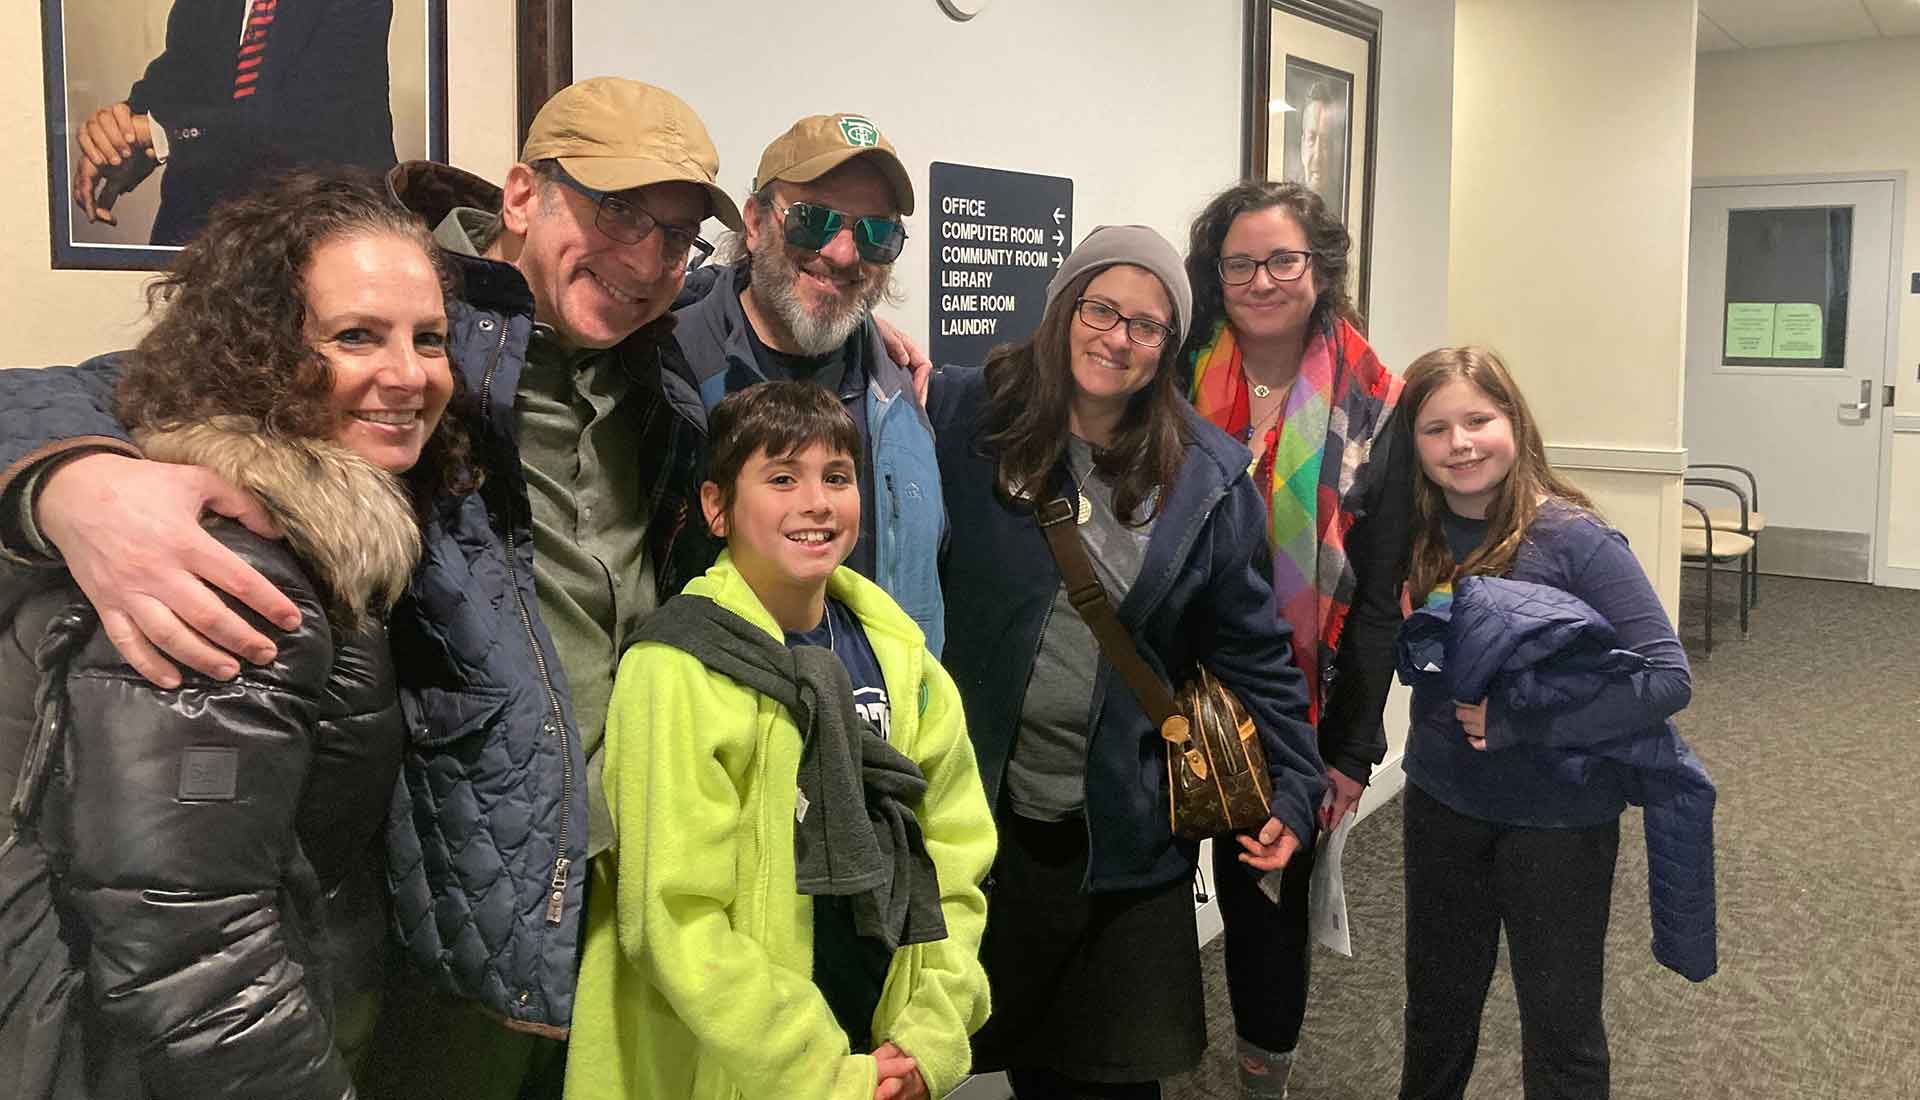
(1090, 600)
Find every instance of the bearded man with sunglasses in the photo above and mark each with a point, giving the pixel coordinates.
(822, 231)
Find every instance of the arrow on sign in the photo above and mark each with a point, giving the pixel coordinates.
(1056, 259)
(1059, 238)
(1058, 217)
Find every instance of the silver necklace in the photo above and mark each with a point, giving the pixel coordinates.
(1260, 390)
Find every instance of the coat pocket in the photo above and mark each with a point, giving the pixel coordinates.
(440, 716)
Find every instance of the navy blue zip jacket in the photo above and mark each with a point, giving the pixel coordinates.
(487, 834)
(1203, 595)
(1559, 685)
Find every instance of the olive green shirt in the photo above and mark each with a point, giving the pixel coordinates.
(583, 422)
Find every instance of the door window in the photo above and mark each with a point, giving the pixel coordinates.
(1787, 275)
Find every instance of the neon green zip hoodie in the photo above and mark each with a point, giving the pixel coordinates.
(697, 976)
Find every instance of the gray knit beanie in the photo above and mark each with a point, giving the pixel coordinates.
(1140, 246)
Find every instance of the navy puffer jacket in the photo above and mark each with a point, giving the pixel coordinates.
(487, 836)
(1541, 656)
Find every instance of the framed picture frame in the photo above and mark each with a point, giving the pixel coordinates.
(1310, 108)
(545, 52)
(217, 94)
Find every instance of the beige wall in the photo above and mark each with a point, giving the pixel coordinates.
(1821, 109)
(49, 316)
(1572, 140)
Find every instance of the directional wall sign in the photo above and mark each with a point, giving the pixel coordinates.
(998, 238)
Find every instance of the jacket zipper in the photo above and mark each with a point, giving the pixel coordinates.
(557, 723)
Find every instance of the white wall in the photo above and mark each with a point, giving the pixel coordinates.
(1818, 109)
(1138, 101)
(1572, 136)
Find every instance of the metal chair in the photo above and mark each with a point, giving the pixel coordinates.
(1728, 519)
(1708, 544)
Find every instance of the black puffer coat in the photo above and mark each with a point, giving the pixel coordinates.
(222, 842)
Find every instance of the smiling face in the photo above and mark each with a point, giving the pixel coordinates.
(376, 313)
(1466, 446)
(792, 520)
(594, 291)
(1109, 367)
(812, 301)
(1266, 309)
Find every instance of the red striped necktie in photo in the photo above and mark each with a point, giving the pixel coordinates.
(253, 47)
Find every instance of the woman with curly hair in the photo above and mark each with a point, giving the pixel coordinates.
(1278, 360)
(219, 843)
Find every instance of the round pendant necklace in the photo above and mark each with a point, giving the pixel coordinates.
(1260, 391)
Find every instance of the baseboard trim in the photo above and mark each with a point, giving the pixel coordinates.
(1663, 461)
(1897, 576)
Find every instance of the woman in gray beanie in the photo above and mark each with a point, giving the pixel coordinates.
(1090, 945)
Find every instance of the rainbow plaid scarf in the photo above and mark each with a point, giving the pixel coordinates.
(1338, 405)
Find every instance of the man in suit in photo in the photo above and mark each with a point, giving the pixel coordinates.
(242, 89)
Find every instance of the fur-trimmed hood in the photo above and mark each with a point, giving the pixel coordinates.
(350, 521)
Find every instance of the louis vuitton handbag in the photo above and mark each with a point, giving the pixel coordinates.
(1217, 779)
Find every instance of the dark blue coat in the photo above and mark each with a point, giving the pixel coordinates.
(1203, 594)
(1552, 670)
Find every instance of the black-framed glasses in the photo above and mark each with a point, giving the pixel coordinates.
(1098, 315)
(811, 226)
(1283, 266)
(628, 222)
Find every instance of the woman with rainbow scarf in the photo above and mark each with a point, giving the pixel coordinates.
(1278, 362)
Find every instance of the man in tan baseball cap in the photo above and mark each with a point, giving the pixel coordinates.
(823, 228)
(563, 338)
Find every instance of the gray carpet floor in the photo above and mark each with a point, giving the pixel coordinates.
(1811, 728)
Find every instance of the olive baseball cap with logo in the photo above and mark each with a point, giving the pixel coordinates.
(818, 144)
(613, 134)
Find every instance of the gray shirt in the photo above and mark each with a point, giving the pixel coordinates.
(1046, 775)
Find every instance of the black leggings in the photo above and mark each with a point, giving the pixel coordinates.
(1550, 889)
(1267, 946)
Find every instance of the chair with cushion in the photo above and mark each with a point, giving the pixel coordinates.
(1705, 542)
(1728, 519)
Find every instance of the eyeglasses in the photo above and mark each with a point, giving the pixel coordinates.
(1283, 266)
(1101, 317)
(811, 226)
(628, 222)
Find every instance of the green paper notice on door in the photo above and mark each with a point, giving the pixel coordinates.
(1797, 331)
(1750, 330)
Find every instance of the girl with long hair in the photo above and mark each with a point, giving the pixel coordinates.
(1540, 705)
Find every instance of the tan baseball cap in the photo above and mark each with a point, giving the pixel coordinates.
(613, 134)
(818, 144)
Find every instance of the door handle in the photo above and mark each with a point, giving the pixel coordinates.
(1856, 412)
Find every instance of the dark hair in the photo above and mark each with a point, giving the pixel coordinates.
(230, 338)
(780, 418)
(1326, 237)
(1029, 399)
(1518, 501)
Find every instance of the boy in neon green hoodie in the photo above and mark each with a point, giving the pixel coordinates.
(792, 905)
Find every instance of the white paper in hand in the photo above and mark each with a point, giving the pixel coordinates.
(1327, 893)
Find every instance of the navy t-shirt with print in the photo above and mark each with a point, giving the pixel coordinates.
(850, 969)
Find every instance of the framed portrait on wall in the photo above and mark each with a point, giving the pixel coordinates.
(1310, 106)
(157, 109)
